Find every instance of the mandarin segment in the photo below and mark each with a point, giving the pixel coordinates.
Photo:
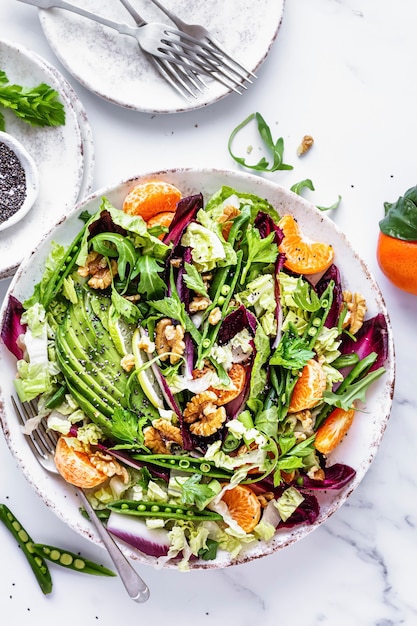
(309, 388)
(150, 198)
(397, 259)
(75, 466)
(303, 255)
(237, 375)
(244, 506)
(332, 431)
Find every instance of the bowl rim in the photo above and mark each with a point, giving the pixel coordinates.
(295, 533)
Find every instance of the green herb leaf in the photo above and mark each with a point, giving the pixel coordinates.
(400, 219)
(193, 280)
(292, 352)
(210, 552)
(38, 106)
(127, 427)
(125, 308)
(276, 148)
(260, 250)
(193, 492)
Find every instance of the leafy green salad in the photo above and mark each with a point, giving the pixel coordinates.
(197, 383)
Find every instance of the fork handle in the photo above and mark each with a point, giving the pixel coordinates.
(123, 29)
(135, 586)
(174, 18)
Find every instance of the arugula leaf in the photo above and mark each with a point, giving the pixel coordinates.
(275, 147)
(38, 106)
(260, 250)
(298, 187)
(193, 280)
(149, 280)
(193, 492)
(355, 391)
(292, 352)
(307, 183)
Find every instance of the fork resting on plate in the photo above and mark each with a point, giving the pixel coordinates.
(42, 442)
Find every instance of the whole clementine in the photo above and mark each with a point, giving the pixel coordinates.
(397, 259)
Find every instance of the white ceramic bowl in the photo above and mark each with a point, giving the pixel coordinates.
(357, 449)
(32, 179)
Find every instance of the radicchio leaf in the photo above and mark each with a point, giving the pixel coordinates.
(12, 327)
(335, 477)
(306, 513)
(235, 322)
(331, 274)
(186, 211)
(371, 337)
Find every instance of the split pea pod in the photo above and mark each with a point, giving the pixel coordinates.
(161, 510)
(37, 563)
(184, 463)
(70, 560)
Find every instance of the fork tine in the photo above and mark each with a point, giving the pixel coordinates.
(205, 66)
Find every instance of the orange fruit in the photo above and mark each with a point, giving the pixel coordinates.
(309, 388)
(237, 375)
(397, 259)
(303, 256)
(333, 429)
(244, 506)
(75, 466)
(150, 198)
(161, 219)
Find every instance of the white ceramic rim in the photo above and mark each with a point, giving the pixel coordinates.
(379, 402)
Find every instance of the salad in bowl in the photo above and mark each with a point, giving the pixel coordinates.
(215, 358)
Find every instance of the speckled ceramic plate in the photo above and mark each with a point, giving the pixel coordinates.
(357, 449)
(64, 155)
(113, 67)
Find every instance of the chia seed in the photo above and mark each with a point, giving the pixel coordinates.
(12, 183)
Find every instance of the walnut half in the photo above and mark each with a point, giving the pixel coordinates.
(162, 436)
(100, 273)
(356, 310)
(203, 414)
(169, 338)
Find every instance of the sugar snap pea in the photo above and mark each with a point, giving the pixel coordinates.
(187, 464)
(37, 563)
(161, 510)
(70, 560)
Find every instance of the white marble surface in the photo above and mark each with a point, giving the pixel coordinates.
(344, 72)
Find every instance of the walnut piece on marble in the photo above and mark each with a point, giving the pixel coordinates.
(356, 310)
(305, 145)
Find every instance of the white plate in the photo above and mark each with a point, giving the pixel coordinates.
(64, 155)
(357, 449)
(113, 67)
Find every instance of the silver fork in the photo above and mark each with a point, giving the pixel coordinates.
(42, 442)
(157, 41)
(187, 78)
(209, 43)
